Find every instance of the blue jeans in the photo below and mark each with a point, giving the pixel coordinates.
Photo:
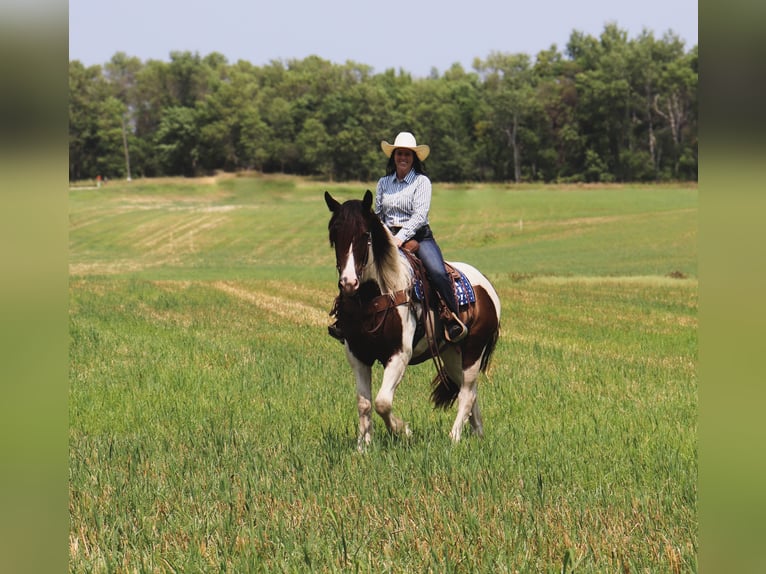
(431, 256)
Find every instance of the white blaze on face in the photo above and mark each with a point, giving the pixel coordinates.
(348, 280)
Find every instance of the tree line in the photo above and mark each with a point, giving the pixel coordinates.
(606, 109)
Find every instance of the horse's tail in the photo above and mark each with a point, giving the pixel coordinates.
(444, 391)
(488, 350)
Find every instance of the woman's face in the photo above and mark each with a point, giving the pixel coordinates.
(403, 159)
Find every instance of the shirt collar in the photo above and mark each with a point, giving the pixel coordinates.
(409, 178)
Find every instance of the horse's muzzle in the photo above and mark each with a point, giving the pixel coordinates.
(348, 286)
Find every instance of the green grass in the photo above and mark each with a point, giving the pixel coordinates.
(213, 422)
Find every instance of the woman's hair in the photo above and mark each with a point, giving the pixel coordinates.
(417, 165)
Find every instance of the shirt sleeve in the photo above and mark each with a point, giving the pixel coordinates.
(379, 198)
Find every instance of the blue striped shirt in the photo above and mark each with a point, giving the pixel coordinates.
(404, 203)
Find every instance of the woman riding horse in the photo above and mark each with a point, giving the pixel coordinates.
(386, 319)
(402, 201)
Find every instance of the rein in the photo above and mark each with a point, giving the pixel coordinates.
(427, 317)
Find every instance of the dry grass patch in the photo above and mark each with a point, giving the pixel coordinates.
(277, 307)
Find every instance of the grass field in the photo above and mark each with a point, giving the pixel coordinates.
(213, 421)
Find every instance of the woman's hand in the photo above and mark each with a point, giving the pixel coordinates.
(397, 241)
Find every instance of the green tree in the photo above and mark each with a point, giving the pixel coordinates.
(280, 148)
(604, 98)
(87, 88)
(510, 93)
(606, 109)
(176, 142)
(562, 147)
(675, 104)
(314, 149)
(121, 72)
(226, 116)
(188, 79)
(111, 124)
(353, 117)
(446, 109)
(95, 125)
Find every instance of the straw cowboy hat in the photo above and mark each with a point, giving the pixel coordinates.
(407, 141)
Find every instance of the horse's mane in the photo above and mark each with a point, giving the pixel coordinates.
(351, 220)
(389, 266)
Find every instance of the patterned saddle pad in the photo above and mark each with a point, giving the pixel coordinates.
(463, 289)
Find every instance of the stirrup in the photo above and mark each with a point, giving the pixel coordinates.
(455, 331)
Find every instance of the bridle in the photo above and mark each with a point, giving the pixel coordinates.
(367, 251)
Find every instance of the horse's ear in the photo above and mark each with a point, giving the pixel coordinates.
(331, 202)
(367, 201)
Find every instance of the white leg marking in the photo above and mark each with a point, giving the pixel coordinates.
(393, 373)
(363, 376)
(392, 376)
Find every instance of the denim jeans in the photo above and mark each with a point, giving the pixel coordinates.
(431, 256)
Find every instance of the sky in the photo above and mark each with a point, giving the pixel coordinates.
(414, 36)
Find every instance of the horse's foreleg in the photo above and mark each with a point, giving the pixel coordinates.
(363, 376)
(392, 376)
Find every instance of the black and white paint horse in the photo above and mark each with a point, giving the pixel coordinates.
(382, 317)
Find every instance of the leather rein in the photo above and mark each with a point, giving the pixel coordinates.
(427, 317)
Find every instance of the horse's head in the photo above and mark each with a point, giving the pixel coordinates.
(350, 236)
(359, 238)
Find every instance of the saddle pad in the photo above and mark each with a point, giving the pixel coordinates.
(463, 290)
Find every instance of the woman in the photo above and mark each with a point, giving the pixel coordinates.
(402, 201)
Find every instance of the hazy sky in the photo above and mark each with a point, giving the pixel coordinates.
(414, 35)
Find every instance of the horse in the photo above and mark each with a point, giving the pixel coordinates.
(385, 319)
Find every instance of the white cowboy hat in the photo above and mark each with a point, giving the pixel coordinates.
(407, 141)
